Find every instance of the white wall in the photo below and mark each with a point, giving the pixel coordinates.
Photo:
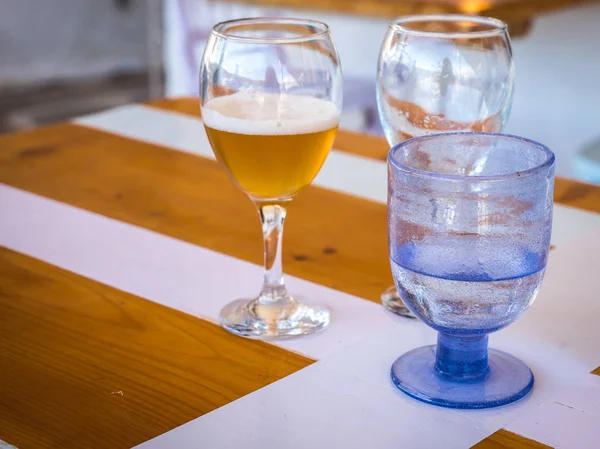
(558, 69)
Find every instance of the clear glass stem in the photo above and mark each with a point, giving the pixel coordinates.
(462, 357)
(272, 217)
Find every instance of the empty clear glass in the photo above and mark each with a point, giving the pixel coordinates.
(442, 73)
(470, 217)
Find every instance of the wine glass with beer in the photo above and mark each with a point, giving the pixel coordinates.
(271, 96)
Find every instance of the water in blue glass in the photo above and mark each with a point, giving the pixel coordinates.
(467, 285)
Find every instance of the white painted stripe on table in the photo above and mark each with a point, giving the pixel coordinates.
(347, 400)
(569, 420)
(5, 445)
(168, 271)
(343, 172)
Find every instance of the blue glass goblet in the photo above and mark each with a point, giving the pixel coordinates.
(469, 221)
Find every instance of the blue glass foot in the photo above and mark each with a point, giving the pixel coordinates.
(455, 378)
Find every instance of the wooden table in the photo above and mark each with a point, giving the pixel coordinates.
(518, 14)
(83, 365)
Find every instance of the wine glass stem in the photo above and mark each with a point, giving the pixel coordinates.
(462, 357)
(272, 217)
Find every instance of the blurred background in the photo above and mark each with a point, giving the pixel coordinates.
(64, 58)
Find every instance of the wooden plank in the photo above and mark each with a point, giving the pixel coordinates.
(518, 14)
(503, 439)
(376, 8)
(182, 105)
(191, 198)
(577, 194)
(567, 191)
(88, 366)
(508, 10)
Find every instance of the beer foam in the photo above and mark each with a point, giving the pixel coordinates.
(262, 113)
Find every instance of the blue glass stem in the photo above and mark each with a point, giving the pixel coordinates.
(461, 357)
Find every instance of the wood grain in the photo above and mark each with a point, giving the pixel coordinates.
(503, 439)
(87, 366)
(566, 191)
(191, 198)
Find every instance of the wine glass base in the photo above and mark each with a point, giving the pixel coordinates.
(508, 380)
(391, 300)
(283, 319)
